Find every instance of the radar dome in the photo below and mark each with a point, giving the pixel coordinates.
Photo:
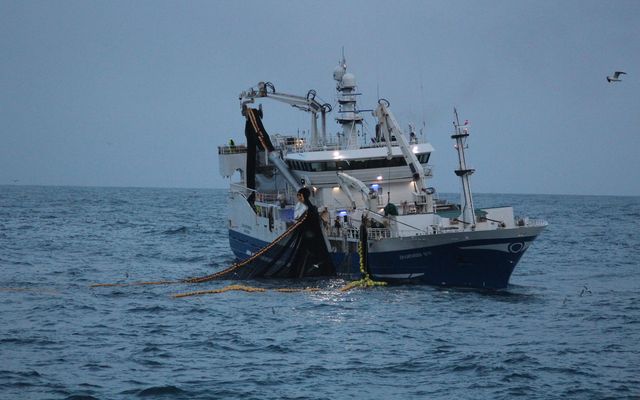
(349, 80)
(338, 73)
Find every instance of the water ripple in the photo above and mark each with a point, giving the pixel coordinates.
(541, 338)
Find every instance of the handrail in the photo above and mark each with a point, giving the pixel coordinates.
(259, 196)
(301, 147)
(232, 149)
(372, 233)
(379, 233)
(535, 222)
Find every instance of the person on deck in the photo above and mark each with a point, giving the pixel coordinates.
(337, 225)
(324, 217)
(303, 203)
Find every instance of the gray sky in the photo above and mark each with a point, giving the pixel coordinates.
(141, 93)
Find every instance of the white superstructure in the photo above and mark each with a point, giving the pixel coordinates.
(383, 183)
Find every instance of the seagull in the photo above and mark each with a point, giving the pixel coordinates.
(615, 77)
(585, 290)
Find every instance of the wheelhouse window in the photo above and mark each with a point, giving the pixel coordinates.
(345, 165)
(320, 166)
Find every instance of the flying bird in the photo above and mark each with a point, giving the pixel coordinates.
(585, 290)
(615, 77)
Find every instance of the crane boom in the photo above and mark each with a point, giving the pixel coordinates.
(347, 180)
(306, 103)
(390, 128)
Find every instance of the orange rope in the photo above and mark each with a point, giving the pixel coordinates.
(256, 128)
(218, 274)
(248, 260)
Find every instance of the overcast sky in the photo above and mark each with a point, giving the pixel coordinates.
(141, 93)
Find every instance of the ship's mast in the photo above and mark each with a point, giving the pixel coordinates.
(348, 116)
(460, 135)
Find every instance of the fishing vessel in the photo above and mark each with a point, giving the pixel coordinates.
(378, 181)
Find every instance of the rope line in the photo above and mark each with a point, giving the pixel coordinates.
(222, 290)
(365, 281)
(242, 288)
(248, 260)
(256, 128)
(218, 274)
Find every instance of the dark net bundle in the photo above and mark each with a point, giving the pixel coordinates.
(298, 253)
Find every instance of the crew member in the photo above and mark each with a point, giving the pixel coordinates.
(303, 203)
(324, 217)
(337, 225)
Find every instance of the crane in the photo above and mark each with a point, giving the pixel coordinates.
(389, 127)
(306, 103)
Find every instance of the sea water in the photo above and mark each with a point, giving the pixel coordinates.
(567, 327)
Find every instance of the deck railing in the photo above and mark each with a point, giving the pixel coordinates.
(535, 222)
(232, 149)
(262, 197)
(354, 233)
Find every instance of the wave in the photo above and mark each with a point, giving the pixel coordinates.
(21, 374)
(24, 341)
(176, 231)
(160, 391)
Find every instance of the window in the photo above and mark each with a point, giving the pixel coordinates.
(319, 166)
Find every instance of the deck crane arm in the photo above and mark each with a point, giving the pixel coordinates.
(390, 128)
(347, 180)
(306, 103)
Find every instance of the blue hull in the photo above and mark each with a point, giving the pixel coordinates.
(454, 264)
(483, 263)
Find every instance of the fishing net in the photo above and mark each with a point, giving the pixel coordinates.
(300, 252)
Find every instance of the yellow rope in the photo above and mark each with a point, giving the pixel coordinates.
(222, 290)
(366, 280)
(243, 288)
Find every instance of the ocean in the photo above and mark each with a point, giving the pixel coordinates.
(567, 327)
